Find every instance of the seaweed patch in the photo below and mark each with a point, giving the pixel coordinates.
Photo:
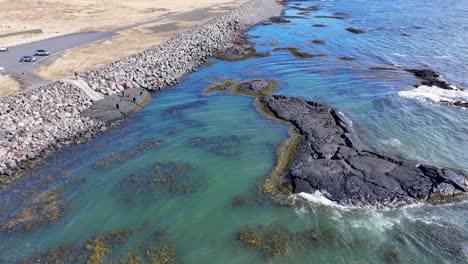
(226, 146)
(124, 155)
(169, 176)
(48, 209)
(277, 240)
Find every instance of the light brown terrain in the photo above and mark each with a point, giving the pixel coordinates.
(60, 16)
(8, 85)
(56, 16)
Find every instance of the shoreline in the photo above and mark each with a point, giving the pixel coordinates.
(324, 156)
(36, 123)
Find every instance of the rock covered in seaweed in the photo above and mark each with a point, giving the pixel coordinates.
(329, 160)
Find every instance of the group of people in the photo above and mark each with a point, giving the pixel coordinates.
(129, 95)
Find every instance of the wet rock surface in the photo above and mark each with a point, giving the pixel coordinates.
(117, 106)
(255, 87)
(356, 30)
(431, 78)
(329, 160)
(241, 50)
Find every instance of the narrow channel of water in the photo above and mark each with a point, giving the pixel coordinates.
(175, 172)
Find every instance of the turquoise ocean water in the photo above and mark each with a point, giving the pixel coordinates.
(219, 147)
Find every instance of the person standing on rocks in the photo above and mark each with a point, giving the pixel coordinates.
(76, 75)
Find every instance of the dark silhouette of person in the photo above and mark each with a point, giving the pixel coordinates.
(117, 106)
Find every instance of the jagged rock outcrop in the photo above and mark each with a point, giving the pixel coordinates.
(329, 159)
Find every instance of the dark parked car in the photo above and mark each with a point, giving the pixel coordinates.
(41, 52)
(27, 59)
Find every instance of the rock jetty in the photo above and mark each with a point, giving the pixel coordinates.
(35, 122)
(328, 159)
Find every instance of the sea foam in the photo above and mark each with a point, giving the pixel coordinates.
(436, 94)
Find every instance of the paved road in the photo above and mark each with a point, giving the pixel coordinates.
(10, 60)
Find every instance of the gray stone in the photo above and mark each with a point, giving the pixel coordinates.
(327, 160)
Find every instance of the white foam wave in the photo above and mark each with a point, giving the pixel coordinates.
(399, 55)
(318, 198)
(394, 142)
(346, 119)
(436, 94)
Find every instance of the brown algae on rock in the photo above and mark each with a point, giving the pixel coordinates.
(220, 87)
(93, 251)
(46, 210)
(102, 245)
(255, 88)
(273, 240)
(276, 240)
(161, 174)
(163, 254)
(276, 183)
(209, 63)
(124, 155)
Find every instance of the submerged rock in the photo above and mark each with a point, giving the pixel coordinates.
(299, 53)
(279, 20)
(431, 78)
(345, 58)
(355, 30)
(256, 87)
(319, 25)
(331, 17)
(318, 41)
(240, 51)
(329, 160)
(382, 69)
(307, 8)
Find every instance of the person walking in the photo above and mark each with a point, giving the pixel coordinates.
(76, 75)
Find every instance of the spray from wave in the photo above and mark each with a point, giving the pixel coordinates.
(435, 94)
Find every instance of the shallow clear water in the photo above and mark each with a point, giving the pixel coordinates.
(223, 147)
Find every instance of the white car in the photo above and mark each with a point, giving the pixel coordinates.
(3, 49)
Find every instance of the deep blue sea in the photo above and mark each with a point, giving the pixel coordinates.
(217, 147)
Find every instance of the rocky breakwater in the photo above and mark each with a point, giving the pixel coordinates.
(34, 122)
(164, 65)
(328, 160)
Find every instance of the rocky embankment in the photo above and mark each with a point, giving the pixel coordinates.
(164, 65)
(329, 160)
(35, 122)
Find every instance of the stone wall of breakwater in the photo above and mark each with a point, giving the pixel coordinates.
(33, 123)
